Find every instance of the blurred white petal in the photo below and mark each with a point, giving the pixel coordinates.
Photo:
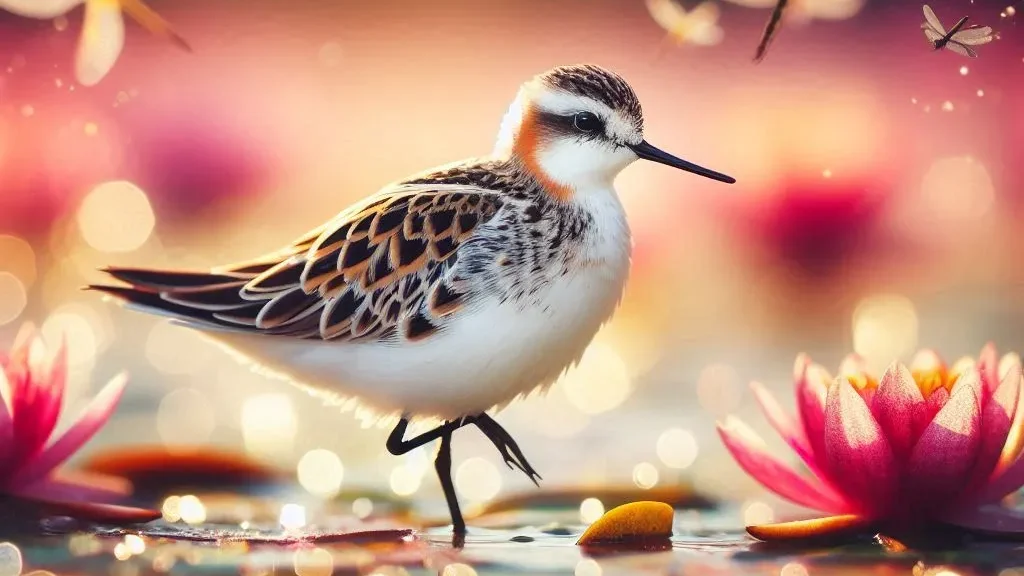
(832, 9)
(39, 8)
(101, 42)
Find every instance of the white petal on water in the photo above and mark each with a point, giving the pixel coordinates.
(101, 42)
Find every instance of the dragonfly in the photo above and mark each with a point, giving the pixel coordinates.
(958, 39)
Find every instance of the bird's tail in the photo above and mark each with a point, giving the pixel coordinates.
(202, 299)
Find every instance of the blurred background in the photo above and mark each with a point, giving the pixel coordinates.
(878, 210)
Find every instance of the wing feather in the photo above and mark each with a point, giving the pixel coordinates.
(376, 271)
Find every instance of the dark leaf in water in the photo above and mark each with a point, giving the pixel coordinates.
(155, 468)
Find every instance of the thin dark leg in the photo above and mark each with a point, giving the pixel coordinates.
(397, 446)
(506, 445)
(443, 466)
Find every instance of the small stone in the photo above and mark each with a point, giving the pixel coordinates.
(521, 539)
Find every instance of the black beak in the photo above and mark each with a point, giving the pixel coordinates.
(648, 152)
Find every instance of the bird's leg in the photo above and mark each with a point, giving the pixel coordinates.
(397, 445)
(443, 467)
(506, 445)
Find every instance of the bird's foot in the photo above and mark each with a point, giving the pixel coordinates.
(506, 446)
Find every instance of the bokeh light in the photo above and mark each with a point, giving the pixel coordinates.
(18, 258)
(313, 562)
(191, 510)
(677, 448)
(362, 507)
(292, 517)
(320, 472)
(755, 513)
(10, 559)
(884, 329)
(404, 480)
(590, 510)
(587, 567)
(477, 480)
(13, 298)
(116, 217)
(645, 475)
(599, 383)
(269, 425)
(185, 417)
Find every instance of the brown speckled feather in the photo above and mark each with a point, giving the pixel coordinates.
(375, 272)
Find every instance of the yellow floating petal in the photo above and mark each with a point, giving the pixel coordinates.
(815, 528)
(633, 521)
(101, 42)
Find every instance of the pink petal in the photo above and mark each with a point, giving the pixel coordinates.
(899, 409)
(859, 457)
(750, 453)
(992, 519)
(784, 424)
(944, 456)
(6, 425)
(103, 513)
(811, 389)
(996, 418)
(1008, 475)
(988, 368)
(1015, 437)
(94, 417)
(935, 403)
(48, 390)
(74, 489)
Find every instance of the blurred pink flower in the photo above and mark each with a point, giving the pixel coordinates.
(31, 392)
(925, 444)
(102, 30)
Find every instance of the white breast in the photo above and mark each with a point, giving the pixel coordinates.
(482, 359)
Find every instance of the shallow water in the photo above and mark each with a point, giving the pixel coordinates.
(705, 543)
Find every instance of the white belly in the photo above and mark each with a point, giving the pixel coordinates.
(481, 360)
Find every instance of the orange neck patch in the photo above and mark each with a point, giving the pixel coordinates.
(527, 147)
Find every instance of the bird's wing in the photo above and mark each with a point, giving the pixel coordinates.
(974, 36)
(377, 271)
(933, 20)
(961, 49)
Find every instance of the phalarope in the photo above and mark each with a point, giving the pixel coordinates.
(454, 291)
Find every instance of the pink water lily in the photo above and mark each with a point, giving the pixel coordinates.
(921, 445)
(31, 394)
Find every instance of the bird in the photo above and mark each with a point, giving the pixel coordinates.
(448, 294)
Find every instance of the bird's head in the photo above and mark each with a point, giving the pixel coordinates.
(577, 127)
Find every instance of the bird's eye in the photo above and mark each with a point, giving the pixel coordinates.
(586, 122)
